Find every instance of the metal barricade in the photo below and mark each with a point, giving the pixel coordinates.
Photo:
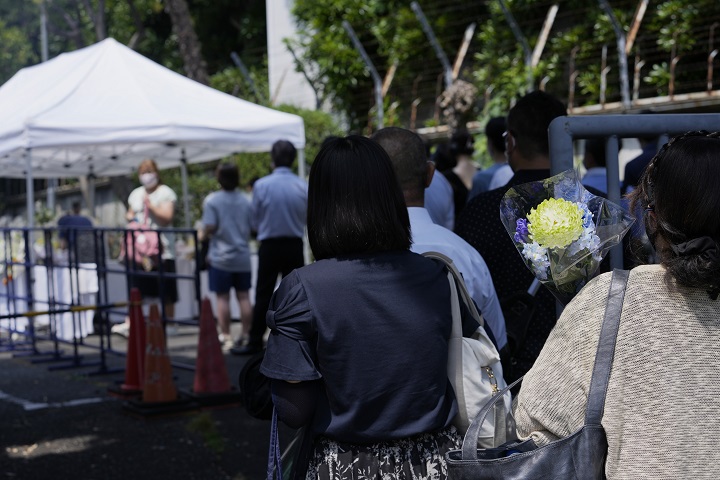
(564, 130)
(60, 296)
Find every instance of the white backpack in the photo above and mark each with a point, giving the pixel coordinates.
(474, 368)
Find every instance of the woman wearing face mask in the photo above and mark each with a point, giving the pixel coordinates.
(153, 205)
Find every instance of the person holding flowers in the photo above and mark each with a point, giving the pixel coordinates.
(660, 413)
(527, 151)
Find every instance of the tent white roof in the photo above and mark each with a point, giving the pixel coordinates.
(104, 108)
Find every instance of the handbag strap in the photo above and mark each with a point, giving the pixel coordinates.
(454, 353)
(274, 467)
(459, 282)
(455, 308)
(606, 348)
(600, 375)
(469, 446)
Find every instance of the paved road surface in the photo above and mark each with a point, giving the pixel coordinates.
(63, 424)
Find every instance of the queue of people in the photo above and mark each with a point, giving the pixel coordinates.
(358, 345)
(331, 379)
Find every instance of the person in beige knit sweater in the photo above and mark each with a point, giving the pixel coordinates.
(661, 410)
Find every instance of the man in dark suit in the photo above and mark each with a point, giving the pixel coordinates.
(527, 150)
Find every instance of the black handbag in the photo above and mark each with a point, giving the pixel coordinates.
(255, 388)
(579, 456)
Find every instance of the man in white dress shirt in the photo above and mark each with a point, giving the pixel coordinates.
(415, 172)
(439, 202)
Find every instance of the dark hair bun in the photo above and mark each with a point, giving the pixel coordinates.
(697, 263)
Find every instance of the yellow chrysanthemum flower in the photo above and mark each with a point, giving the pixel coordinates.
(555, 223)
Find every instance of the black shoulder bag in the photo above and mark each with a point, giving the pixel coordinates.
(255, 388)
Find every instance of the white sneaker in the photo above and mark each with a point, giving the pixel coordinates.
(226, 342)
(122, 329)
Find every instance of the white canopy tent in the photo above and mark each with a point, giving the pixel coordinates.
(102, 109)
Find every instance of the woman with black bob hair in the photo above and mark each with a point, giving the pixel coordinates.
(660, 414)
(354, 202)
(359, 339)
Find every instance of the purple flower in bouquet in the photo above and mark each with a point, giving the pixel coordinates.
(521, 230)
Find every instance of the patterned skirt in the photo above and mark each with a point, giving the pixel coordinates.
(421, 457)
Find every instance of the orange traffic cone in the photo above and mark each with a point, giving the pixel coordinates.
(159, 386)
(210, 370)
(135, 360)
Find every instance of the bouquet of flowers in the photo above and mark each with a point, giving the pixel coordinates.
(562, 231)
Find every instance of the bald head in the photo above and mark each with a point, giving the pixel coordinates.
(407, 153)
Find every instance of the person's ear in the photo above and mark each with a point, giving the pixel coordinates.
(509, 142)
(429, 172)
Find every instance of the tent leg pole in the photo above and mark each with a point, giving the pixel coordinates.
(186, 199)
(301, 164)
(91, 195)
(29, 189)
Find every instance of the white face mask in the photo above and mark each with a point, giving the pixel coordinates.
(149, 179)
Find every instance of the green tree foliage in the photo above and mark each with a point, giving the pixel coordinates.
(682, 32)
(231, 80)
(579, 32)
(15, 51)
(223, 26)
(390, 33)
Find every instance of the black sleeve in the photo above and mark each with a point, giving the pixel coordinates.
(294, 402)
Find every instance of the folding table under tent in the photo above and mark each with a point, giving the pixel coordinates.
(102, 109)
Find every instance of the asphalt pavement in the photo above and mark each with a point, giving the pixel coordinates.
(60, 421)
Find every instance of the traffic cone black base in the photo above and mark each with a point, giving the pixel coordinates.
(156, 409)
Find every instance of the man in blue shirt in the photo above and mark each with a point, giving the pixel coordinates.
(74, 235)
(405, 149)
(635, 167)
(594, 162)
(278, 217)
(439, 202)
(494, 130)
